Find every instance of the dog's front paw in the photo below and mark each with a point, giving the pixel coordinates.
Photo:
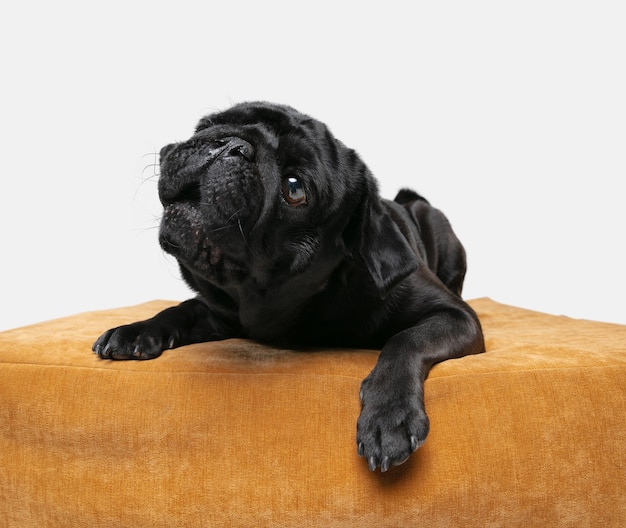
(134, 341)
(392, 425)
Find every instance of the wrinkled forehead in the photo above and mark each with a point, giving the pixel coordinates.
(277, 119)
(280, 127)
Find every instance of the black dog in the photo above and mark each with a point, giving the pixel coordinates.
(280, 229)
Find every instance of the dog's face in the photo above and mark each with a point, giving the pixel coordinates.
(259, 192)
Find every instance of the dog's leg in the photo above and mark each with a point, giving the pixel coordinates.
(393, 421)
(189, 322)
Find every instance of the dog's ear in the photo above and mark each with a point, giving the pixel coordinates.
(386, 252)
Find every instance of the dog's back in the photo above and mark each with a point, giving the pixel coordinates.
(432, 237)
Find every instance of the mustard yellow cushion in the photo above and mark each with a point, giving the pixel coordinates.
(233, 433)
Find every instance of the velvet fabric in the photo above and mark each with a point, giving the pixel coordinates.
(234, 433)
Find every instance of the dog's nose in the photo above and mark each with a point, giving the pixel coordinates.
(235, 147)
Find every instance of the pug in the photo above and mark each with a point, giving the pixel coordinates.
(279, 229)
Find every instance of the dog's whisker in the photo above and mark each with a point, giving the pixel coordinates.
(152, 166)
(228, 226)
(145, 229)
(235, 214)
(243, 235)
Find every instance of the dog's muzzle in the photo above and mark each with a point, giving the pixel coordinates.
(185, 167)
(211, 195)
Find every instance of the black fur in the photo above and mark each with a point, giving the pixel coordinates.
(319, 259)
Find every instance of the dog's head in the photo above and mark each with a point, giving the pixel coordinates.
(258, 195)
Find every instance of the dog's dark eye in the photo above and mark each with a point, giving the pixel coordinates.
(293, 191)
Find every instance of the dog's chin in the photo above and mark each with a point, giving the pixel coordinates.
(207, 253)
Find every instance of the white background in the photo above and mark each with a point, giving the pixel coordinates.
(509, 116)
